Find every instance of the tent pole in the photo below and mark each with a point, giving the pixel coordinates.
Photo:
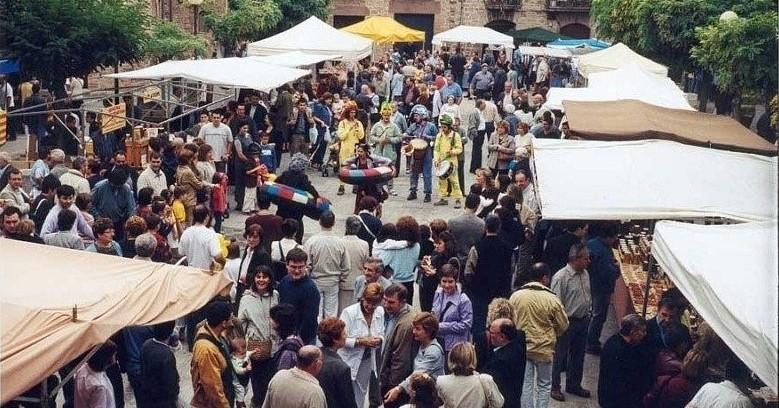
(646, 290)
(46, 395)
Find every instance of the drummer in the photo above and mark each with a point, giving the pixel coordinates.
(448, 147)
(365, 160)
(422, 161)
(350, 133)
(385, 137)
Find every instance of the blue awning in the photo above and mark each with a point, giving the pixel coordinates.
(573, 43)
(9, 66)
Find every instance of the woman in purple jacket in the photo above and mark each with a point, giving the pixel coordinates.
(453, 309)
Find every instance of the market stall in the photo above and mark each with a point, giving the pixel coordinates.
(729, 275)
(544, 52)
(474, 35)
(295, 59)
(565, 43)
(627, 82)
(636, 120)
(385, 30)
(618, 55)
(314, 36)
(59, 303)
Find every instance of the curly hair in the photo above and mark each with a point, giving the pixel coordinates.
(437, 226)
(408, 229)
(330, 330)
(499, 308)
(134, 226)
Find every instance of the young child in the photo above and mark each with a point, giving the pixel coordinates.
(267, 152)
(179, 216)
(219, 199)
(242, 365)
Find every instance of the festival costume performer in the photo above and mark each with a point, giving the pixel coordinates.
(448, 146)
(365, 160)
(422, 161)
(385, 137)
(350, 133)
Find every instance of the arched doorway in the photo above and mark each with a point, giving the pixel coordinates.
(501, 26)
(575, 30)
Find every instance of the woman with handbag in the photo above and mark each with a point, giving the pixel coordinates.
(364, 337)
(254, 316)
(465, 387)
(501, 149)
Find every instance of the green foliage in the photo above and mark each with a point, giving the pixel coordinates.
(53, 39)
(774, 109)
(741, 53)
(246, 20)
(167, 41)
(295, 11)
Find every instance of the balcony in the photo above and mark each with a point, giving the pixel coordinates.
(569, 5)
(502, 5)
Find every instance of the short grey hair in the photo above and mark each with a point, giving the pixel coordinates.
(79, 161)
(630, 323)
(58, 155)
(575, 250)
(375, 261)
(145, 245)
(308, 355)
(353, 225)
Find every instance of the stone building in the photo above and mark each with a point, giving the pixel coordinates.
(568, 17)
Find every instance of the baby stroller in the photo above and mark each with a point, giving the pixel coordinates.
(332, 159)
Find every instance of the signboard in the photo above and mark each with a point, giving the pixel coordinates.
(3, 127)
(116, 120)
(150, 92)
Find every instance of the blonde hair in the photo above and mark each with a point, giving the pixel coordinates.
(707, 353)
(462, 359)
(373, 292)
(499, 308)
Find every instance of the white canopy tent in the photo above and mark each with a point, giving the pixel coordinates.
(294, 59)
(227, 72)
(314, 36)
(544, 51)
(651, 179)
(728, 273)
(474, 35)
(628, 82)
(617, 56)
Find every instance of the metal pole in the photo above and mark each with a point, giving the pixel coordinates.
(68, 129)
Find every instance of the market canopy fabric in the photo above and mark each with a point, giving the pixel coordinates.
(651, 179)
(628, 82)
(228, 72)
(43, 284)
(575, 43)
(474, 35)
(385, 30)
(636, 120)
(616, 56)
(728, 273)
(295, 59)
(544, 51)
(316, 37)
(536, 35)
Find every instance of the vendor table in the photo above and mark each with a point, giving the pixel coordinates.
(632, 258)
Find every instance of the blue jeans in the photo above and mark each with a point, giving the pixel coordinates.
(427, 174)
(535, 391)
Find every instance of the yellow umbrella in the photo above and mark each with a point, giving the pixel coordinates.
(385, 30)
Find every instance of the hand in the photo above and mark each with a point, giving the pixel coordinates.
(392, 394)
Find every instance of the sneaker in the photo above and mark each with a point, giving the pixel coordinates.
(411, 196)
(457, 204)
(441, 202)
(427, 198)
(341, 190)
(557, 395)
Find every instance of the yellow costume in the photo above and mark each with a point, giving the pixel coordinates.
(350, 133)
(448, 146)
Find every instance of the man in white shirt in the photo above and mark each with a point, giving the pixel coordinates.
(725, 394)
(152, 176)
(329, 264)
(66, 195)
(522, 180)
(92, 386)
(219, 137)
(199, 243)
(6, 94)
(76, 177)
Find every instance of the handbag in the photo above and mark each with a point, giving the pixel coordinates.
(312, 134)
(260, 348)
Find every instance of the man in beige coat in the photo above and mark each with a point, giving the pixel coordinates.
(298, 386)
(539, 313)
(399, 347)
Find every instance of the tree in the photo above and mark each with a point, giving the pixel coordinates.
(167, 41)
(54, 39)
(741, 53)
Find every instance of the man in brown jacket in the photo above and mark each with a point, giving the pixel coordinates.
(212, 376)
(399, 346)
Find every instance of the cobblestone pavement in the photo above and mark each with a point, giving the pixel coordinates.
(394, 207)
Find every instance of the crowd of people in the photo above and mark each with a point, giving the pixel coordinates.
(507, 301)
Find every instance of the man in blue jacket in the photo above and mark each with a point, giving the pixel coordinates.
(604, 272)
(299, 290)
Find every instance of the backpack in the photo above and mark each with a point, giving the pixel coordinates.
(290, 346)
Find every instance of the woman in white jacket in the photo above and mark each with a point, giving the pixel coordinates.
(465, 387)
(364, 337)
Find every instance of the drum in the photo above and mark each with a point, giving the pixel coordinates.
(419, 147)
(444, 169)
(312, 207)
(374, 175)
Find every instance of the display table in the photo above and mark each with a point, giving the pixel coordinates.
(630, 287)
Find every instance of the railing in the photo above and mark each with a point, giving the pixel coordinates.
(503, 5)
(568, 5)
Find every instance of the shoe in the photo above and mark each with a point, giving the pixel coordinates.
(457, 204)
(427, 198)
(341, 190)
(579, 392)
(557, 395)
(411, 196)
(441, 202)
(594, 350)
